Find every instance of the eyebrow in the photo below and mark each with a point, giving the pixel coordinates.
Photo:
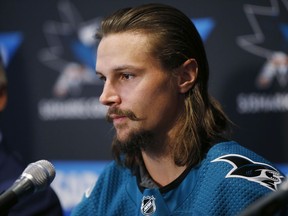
(121, 68)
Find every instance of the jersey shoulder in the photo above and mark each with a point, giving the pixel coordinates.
(230, 178)
(233, 161)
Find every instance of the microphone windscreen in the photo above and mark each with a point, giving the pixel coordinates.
(41, 173)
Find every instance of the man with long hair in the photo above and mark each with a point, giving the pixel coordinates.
(173, 154)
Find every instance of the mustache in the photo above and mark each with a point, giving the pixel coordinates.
(128, 113)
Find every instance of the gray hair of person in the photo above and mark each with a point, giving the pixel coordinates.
(174, 39)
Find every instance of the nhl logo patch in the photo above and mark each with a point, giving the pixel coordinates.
(148, 206)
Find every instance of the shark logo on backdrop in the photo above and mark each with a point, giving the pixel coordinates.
(273, 20)
(71, 53)
(245, 168)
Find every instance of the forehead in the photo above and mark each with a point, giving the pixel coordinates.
(123, 48)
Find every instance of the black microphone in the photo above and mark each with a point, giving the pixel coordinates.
(275, 202)
(36, 177)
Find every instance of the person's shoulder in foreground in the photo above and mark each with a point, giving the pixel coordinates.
(44, 203)
(228, 179)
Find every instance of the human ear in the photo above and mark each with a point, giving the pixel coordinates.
(187, 75)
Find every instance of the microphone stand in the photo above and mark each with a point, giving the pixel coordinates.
(7, 201)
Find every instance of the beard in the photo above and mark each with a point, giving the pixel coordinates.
(135, 144)
(137, 141)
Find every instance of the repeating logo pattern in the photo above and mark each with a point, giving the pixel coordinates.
(71, 52)
(269, 41)
(73, 36)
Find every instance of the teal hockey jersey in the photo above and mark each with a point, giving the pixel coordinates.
(228, 179)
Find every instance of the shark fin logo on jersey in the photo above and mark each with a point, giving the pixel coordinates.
(243, 167)
(148, 206)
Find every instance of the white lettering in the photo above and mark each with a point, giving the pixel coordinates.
(80, 108)
(255, 103)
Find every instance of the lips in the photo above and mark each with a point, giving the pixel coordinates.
(115, 116)
(117, 119)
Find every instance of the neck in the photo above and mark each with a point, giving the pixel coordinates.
(160, 163)
(162, 170)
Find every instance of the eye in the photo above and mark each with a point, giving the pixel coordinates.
(127, 76)
(102, 78)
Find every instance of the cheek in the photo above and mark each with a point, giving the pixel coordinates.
(156, 100)
(159, 105)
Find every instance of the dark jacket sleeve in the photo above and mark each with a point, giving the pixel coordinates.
(44, 203)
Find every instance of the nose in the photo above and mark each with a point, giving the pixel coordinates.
(109, 95)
